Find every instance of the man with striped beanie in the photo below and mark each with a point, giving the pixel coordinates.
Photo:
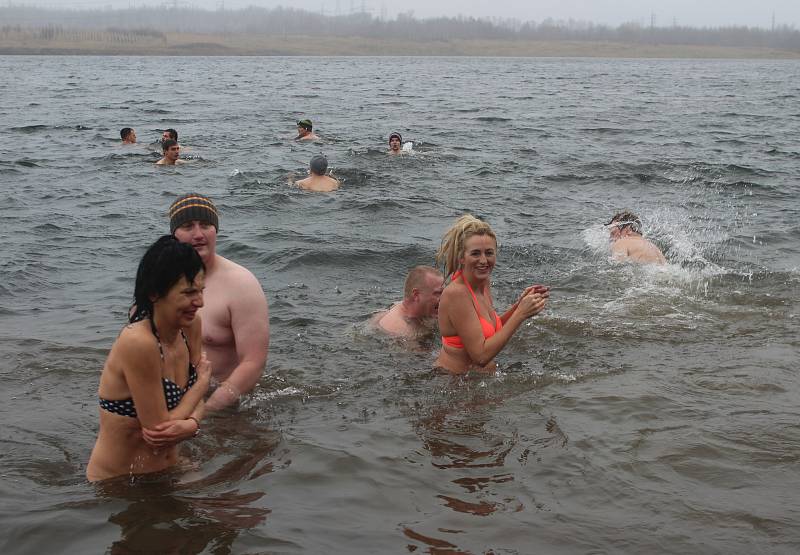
(234, 315)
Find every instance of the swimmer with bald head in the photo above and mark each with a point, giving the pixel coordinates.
(415, 315)
(317, 181)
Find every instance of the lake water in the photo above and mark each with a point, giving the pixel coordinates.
(648, 410)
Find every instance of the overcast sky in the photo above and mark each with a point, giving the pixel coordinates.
(684, 12)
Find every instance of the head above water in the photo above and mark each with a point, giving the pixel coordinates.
(163, 265)
(453, 243)
(395, 135)
(318, 165)
(192, 207)
(305, 124)
(626, 219)
(169, 134)
(169, 143)
(417, 277)
(125, 133)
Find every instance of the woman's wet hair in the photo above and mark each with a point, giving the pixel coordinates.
(162, 266)
(452, 247)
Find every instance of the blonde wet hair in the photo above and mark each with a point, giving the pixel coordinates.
(452, 247)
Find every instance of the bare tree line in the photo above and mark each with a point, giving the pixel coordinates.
(136, 24)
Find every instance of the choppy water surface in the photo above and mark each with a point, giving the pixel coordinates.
(647, 411)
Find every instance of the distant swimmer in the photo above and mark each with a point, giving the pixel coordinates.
(305, 131)
(235, 314)
(172, 152)
(472, 332)
(415, 314)
(169, 134)
(317, 181)
(128, 135)
(396, 144)
(627, 243)
(153, 380)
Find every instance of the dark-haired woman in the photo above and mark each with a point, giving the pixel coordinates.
(153, 381)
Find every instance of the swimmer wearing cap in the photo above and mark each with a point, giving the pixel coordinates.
(317, 181)
(627, 243)
(395, 144)
(305, 131)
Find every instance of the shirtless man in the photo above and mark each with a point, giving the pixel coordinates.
(305, 131)
(317, 181)
(414, 315)
(627, 243)
(128, 135)
(395, 144)
(235, 315)
(172, 151)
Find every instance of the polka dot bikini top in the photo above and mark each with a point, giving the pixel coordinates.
(173, 393)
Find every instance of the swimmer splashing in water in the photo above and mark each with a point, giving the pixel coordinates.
(472, 332)
(627, 243)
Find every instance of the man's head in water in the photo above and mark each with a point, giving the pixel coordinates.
(194, 219)
(395, 142)
(171, 150)
(318, 165)
(128, 135)
(169, 134)
(624, 224)
(304, 127)
(422, 290)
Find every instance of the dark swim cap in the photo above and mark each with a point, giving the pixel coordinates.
(192, 207)
(395, 134)
(305, 124)
(318, 164)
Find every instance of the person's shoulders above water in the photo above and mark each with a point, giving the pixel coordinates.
(637, 249)
(318, 184)
(391, 322)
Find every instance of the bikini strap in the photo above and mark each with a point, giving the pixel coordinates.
(158, 340)
(186, 341)
(460, 274)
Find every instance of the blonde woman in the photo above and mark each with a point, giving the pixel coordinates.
(472, 332)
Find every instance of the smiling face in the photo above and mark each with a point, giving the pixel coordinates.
(479, 257)
(200, 235)
(182, 301)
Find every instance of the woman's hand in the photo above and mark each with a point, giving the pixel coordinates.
(533, 301)
(541, 289)
(169, 433)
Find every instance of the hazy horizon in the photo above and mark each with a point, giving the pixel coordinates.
(713, 13)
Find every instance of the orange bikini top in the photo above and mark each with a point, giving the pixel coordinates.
(488, 329)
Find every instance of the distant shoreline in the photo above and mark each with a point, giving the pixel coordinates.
(177, 44)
